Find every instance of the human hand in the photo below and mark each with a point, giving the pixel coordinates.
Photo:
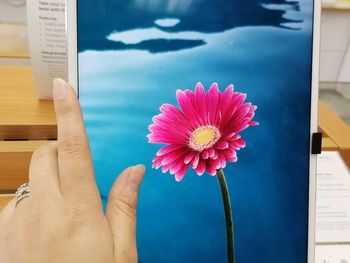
(62, 220)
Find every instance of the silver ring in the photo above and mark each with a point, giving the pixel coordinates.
(22, 192)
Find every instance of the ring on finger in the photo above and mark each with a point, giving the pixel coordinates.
(22, 192)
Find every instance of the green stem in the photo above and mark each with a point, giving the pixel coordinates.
(228, 216)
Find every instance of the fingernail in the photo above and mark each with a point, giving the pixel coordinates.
(137, 174)
(60, 88)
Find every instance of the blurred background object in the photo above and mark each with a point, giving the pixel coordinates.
(13, 32)
(335, 57)
(340, 4)
(13, 11)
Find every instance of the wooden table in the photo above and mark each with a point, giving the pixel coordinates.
(27, 123)
(340, 5)
(22, 115)
(336, 133)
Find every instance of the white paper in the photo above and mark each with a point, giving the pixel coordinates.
(47, 42)
(333, 199)
(332, 254)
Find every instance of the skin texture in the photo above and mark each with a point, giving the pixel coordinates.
(63, 219)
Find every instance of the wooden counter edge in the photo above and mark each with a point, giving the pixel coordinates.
(4, 199)
(15, 159)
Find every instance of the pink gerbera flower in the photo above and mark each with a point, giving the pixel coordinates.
(203, 133)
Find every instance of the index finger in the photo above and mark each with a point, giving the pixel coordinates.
(74, 158)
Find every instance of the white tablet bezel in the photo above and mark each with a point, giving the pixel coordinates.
(72, 41)
(71, 26)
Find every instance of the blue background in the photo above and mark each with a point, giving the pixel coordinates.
(265, 51)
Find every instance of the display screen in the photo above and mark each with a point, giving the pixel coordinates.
(155, 88)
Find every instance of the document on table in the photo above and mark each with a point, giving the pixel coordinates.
(332, 254)
(333, 200)
(48, 44)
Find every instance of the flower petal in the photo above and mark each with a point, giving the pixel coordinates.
(213, 166)
(225, 102)
(176, 166)
(188, 107)
(168, 149)
(157, 162)
(165, 168)
(181, 173)
(214, 155)
(231, 155)
(241, 112)
(201, 167)
(212, 101)
(221, 145)
(239, 127)
(189, 157)
(167, 134)
(195, 160)
(205, 154)
(173, 156)
(211, 171)
(211, 153)
(222, 160)
(238, 144)
(235, 102)
(201, 103)
(253, 123)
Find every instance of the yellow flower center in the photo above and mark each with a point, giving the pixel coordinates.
(204, 137)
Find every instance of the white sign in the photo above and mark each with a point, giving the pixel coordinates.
(47, 42)
(333, 199)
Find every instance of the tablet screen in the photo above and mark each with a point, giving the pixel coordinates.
(193, 87)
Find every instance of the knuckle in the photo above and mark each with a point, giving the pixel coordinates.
(41, 152)
(125, 206)
(41, 159)
(64, 109)
(77, 215)
(52, 145)
(71, 144)
(73, 218)
(79, 205)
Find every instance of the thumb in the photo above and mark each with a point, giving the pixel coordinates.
(121, 212)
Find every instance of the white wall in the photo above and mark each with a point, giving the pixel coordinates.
(13, 11)
(344, 74)
(335, 39)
